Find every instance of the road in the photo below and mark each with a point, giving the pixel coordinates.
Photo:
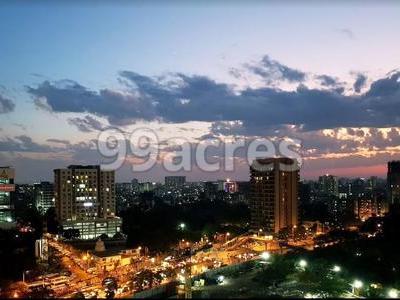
(162, 269)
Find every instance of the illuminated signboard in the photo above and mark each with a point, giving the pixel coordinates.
(7, 187)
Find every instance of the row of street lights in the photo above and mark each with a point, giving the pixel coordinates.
(356, 285)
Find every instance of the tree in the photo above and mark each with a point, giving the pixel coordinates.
(51, 219)
(276, 272)
(318, 278)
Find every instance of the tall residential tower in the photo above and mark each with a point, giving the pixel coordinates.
(273, 194)
(85, 200)
(7, 189)
(393, 182)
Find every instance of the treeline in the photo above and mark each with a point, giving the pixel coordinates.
(158, 227)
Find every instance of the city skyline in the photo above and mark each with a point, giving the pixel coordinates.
(199, 149)
(321, 74)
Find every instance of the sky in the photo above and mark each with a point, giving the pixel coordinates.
(324, 74)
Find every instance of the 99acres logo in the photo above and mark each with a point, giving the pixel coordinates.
(143, 149)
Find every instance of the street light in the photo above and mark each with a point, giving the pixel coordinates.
(227, 236)
(392, 293)
(336, 269)
(357, 284)
(265, 255)
(182, 226)
(293, 230)
(303, 263)
(23, 275)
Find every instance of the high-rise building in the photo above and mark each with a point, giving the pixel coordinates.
(7, 189)
(147, 186)
(329, 185)
(393, 182)
(85, 200)
(175, 181)
(274, 194)
(210, 190)
(44, 196)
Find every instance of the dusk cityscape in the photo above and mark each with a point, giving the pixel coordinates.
(199, 149)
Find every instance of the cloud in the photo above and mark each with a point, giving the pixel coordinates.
(347, 33)
(360, 82)
(271, 70)
(179, 98)
(6, 105)
(327, 80)
(86, 124)
(22, 143)
(69, 96)
(58, 141)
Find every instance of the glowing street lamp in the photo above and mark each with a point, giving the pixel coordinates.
(336, 269)
(221, 279)
(182, 226)
(265, 255)
(303, 263)
(392, 293)
(227, 235)
(357, 284)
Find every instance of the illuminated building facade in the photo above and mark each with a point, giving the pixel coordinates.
(44, 196)
(85, 200)
(175, 181)
(7, 189)
(329, 185)
(274, 194)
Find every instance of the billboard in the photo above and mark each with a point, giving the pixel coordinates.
(7, 187)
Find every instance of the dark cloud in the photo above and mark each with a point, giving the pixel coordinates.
(271, 70)
(327, 80)
(208, 136)
(69, 96)
(236, 73)
(58, 141)
(385, 88)
(360, 82)
(22, 143)
(86, 124)
(6, 105)
(199, 98)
